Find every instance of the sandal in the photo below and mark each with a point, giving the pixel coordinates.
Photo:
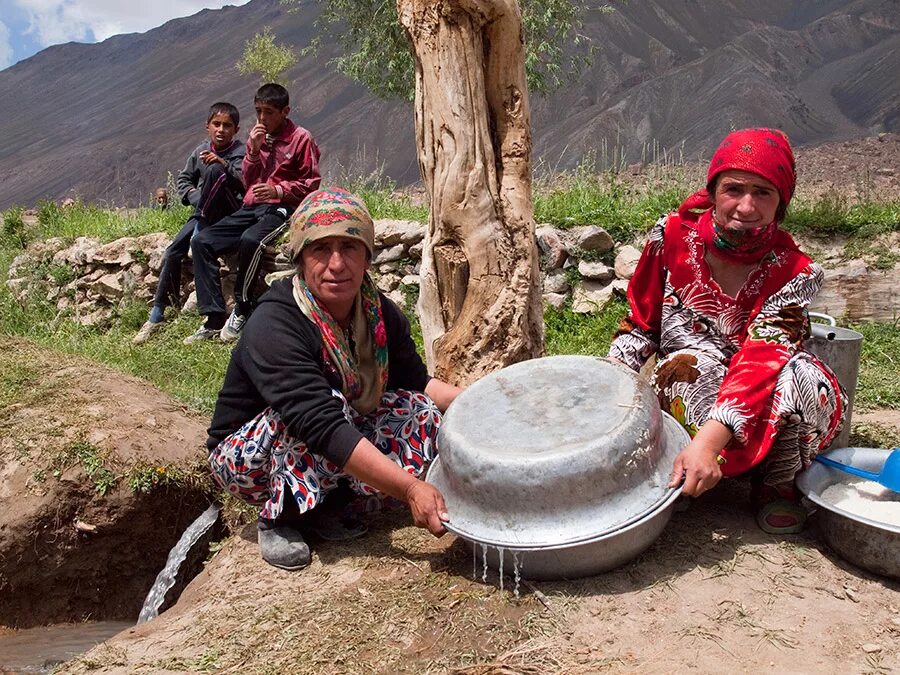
(781, 516)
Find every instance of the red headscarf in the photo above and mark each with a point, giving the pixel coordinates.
(765, 152)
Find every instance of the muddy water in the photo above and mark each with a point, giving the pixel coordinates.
(38, 650)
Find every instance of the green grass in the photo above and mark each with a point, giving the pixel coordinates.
(566, 332)
(194, 374)
(879, 384)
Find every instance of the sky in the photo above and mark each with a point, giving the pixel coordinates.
(28, 26)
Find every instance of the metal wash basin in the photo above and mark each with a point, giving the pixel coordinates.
(564, 460)
(868, 543)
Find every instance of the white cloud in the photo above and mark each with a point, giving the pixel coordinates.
(6, 50)
(55, 21)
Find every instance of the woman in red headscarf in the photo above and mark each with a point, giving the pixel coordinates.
(720, 295)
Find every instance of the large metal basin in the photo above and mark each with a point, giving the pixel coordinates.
(870, 544)
(565, 459)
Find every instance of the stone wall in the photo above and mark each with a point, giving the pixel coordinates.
(90, 281)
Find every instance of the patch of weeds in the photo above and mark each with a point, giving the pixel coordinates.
(16, 378)
(92, 462)
(879, 386)
(410, 295)
(60, 275)
(14, 232)
(873, 435)
(144, 477)
(140, 256)
(875, 253)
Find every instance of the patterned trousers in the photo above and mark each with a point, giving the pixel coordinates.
(800, 422)
(260, 462)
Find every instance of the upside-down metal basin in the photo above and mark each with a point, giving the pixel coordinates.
(867, 543)
(564, 459)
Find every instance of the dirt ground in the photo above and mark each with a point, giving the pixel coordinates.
(714, 593)
(76, 542)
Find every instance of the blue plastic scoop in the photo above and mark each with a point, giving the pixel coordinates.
(889, 476)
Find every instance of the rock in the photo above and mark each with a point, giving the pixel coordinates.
(556, 282)
(550, 243)
(884, 171)
(109, 286)
(626, 261)
(595, 271)
(388, 268)
(387, 282)
(190, 305)
(592, 238)
(410, 280)
(18, 287)
(591, 296)
(555, 300)
(393, 232)
(398, 298)
(391, 254)
(98, 316)
(853, 292)
(81, 252)
(118, 252)
(620, 287)
(415, 251)
(871, 648)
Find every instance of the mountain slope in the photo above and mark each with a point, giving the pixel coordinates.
(108, 121)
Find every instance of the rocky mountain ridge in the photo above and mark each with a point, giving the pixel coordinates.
(108, 121)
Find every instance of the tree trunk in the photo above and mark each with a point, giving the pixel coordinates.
(479, 303)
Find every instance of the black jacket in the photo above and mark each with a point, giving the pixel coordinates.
(278, 363)
(193, 175)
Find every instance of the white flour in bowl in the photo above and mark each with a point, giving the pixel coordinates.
(865, 498)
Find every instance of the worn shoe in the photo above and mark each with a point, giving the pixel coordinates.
(203, 333)
(231, 331)
(332, 526)
(283, 547)
(146, 331)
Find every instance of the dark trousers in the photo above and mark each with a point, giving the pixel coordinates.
(216, 200)
(248, 231)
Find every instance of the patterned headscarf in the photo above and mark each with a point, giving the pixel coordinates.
(331, 212)
(359, 355)
(765, 152)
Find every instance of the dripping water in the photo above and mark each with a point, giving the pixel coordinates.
(474, 562)
(484, 549)
(500, 569)
(517, 572)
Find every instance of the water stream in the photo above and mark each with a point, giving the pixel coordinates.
(166, 578)
(41, 649)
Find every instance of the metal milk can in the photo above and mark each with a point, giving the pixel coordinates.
(840, 349)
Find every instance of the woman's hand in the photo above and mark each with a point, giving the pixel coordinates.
(373, 468)
(427, 506)
(698, 463)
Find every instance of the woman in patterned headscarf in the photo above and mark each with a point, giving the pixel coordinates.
(325, 393)
(720, 296)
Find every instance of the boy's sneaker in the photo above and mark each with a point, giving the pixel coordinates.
(146, 331)
(203, 333)
(231, 331)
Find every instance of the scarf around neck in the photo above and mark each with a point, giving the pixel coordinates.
(363, 370)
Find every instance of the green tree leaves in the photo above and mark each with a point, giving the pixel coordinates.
(263, 55)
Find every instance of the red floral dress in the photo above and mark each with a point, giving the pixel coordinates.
(736, 360)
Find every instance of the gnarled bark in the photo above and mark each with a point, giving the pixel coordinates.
(479, 301)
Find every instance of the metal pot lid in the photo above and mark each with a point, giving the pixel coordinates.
(554, 451)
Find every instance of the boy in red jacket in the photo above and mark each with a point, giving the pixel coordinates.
(281, 167)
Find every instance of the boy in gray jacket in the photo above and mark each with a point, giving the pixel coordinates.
(210, 182)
